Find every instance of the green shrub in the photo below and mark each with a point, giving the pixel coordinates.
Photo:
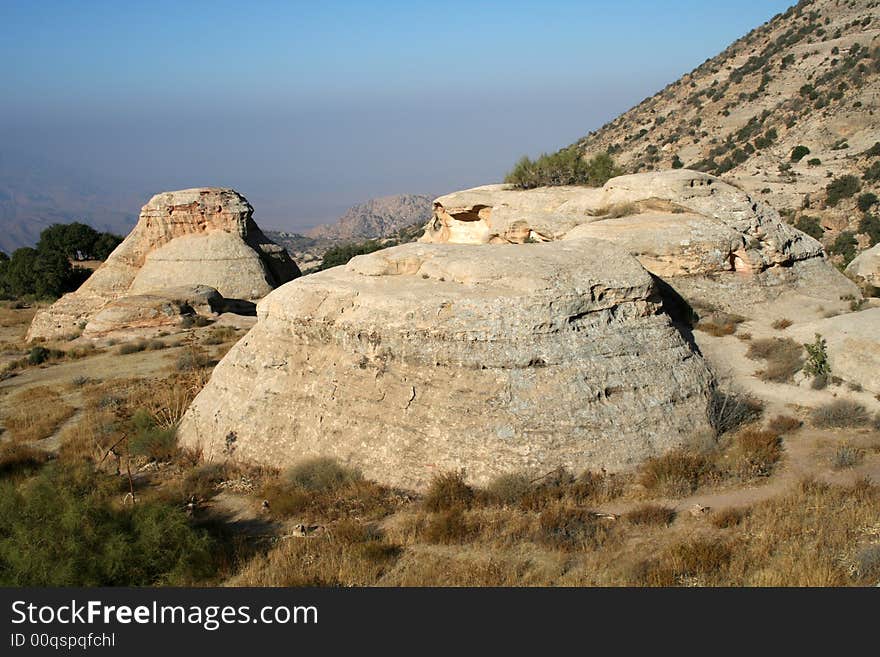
(148, 439)
(63, 528)
(340, 255)
(870, 225)
(872, 173)
(810, 226)
(841, 188)
(799, 152)
(866, 201)
(845, 245)
(814, 162)
(565, 167)
(38, 355)
(817, 364)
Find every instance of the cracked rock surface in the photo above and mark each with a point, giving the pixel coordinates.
(423, 358)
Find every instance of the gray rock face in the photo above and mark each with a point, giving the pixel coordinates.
(155, 310)
(423, 358)
(204, 236)
(689, 228)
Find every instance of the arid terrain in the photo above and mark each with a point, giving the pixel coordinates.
(651, 359)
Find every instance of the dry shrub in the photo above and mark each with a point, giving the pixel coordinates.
(678, 473)
(782, 324)
(847, 456)
(698, 557)
(346, 554)
(651, 514)
(321, 474)
(561, 485)
(133, 347)
(90, 437)
(800, 539)
(841, 413)
(617, 210)
(728, 411)
(719, 323)
(758, 452)
(36, 413)
(867, 564)
(567, 528)
(448, 491)
(220, 335)
(745, 337)
(19, 458)
(201, 482)
(508, 489)
(448, 527)
(783, 424)
(431, 567)
(783, 357)
(727, 518)
(321, 489)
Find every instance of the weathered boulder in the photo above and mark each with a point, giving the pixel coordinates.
(853, 345)
(156, 310)
(204, 236)
(689, 228)
(423, 358)
(866, 266)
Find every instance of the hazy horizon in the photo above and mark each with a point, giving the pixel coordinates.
(307, 110)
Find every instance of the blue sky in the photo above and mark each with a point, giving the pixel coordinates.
(309, 107)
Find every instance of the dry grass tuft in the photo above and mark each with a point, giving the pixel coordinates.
(20, 458)
(570, 528)
(847, 456)
(321, 490)
(678, 473)
(36, 413)
(347, 554)
(651, 514)
(758, 452)
(783, 424)
(727, 518)
(719, 323)
(448, 491)
(839, 414)
(783, 357)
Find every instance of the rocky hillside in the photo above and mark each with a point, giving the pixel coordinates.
(787, 113)
(394, 219)
(377, 217)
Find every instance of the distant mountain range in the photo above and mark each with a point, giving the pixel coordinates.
(379, 218)
(35, 195)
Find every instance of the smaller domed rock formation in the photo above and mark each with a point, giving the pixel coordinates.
(712, 242)
(192, 237)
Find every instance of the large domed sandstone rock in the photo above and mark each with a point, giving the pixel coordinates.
(866, 266)
(423, 358)
(720, 246)
(204, 236)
